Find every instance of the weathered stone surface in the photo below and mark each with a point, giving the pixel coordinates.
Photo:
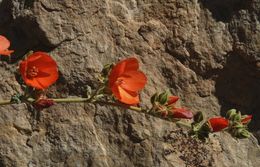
(206, 52)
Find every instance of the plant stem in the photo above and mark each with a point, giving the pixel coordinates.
(5, 102)
(180, 123)
(88, 100)
(65, 100)
(96, 93)
(119, 105)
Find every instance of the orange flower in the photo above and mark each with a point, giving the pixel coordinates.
(125, 81)
(39, 70)
(4, 45)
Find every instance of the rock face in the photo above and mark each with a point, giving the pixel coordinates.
(205, 51)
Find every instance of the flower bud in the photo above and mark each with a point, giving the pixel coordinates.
(182, 113)
(172, 100)
(43, 103)
(246, 120)
(218, 124)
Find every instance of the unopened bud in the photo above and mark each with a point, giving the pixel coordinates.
(246, 119)
(218, 124)
(43, 103)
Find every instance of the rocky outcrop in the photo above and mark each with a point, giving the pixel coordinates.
(205, 51)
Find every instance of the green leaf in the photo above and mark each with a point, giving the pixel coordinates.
(198, 117)
(237, 117)
(206, 127)
(163, 98)
(17, 98)
(231, 113)
(154, 98)
(239, 126)
(89, 91)
(245, 134)
(106, 69)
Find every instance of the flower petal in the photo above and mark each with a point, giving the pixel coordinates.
(49, 73)
(41, 60)
(33, 83)
(45, 82)
(128, 97)
(42, 74)
(115, 91)
(130, 64)
(6, 52)
(4, 43)
(133, 80)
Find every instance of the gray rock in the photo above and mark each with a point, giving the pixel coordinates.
(206, 52)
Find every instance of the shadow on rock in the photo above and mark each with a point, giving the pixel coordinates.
(223, 11)
(23, 31)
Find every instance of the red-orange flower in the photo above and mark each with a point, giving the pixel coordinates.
(4, 45)
(125, 81)
(218, 123)
(39, 70)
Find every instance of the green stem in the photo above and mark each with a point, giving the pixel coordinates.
(119, 105)
(97, 92)
(66, 100)
(88, 100)
(5, 102)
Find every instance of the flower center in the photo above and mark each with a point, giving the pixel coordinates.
(119, 81)
(32, 72)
